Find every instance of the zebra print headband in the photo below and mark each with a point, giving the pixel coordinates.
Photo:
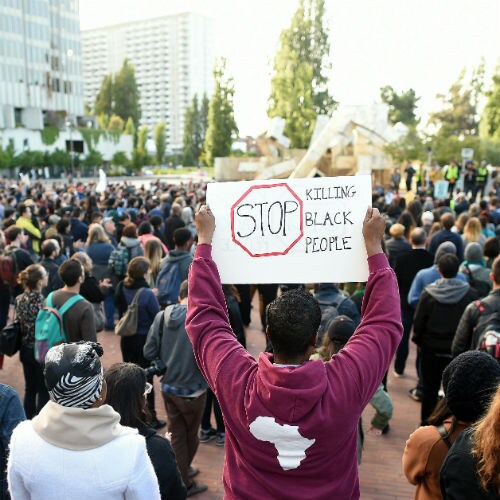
(74, 374)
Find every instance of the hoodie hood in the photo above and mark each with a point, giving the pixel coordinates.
(79, 429)
(130, 242)
(178, 255)
(291, 392)
(177, 316)
(448, 290)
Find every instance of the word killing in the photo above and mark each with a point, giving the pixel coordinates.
(330, 193)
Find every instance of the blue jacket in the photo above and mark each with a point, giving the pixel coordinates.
(79, 230)
(445, 235)
(423, 278)
(99, 252)
(328, 293)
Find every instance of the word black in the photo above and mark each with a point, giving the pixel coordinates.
(328, 219)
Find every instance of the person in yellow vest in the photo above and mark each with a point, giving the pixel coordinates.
(420, 176)
(481, 179)
(451, 175)
(24, 221)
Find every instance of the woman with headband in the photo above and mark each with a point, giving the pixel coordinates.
(76, 447)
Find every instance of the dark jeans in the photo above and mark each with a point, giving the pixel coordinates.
(35, 393)
(403, 348)
(433, 366)
(205, 420)
(245, 305)
(132, 352)
(184, 418)
(109, 311)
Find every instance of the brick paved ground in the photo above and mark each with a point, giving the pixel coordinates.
(380, 473)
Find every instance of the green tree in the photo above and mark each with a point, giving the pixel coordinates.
(222, 128)
(116, 123)
(140, 156)
(402, 106)
(104, 101)
(129, 127)
(490, 121)
(204, 107)
(160, 138)
(93, 159)
(193, 134)
(60, 158)
(103, 121)
(408, 148)
(126, 94)
(120, 159)
(299, 86)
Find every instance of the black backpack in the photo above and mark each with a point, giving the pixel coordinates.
(482, 288)
(489, 321)
(329, 311)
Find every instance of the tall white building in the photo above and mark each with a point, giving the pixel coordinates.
(40, 63)
(173, 60)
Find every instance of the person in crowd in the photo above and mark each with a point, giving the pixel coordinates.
(491, 250)
(109, 226)
(76, 448)
(126, 390)
(173, 223)
(397, 244)
(145, 233)
(407, 266)
(473, 232)
(78, 321)
(445, 234)
(124, 220)
(329, 294)
(64, 231)
(410, 172)
(407, 220)
(340, 330)
(79, 229)
(132, 347)
(460, 223)
(427, 221)
(50, 251)
(183, 386)
(27, 305)
(130, 241)
(50, 228)
(438, 313)
(461, 205)
(474, 267)
(252, 394)
(11, 415)
(467, 382)
(471, 468)
(153, 251)
(157, 222)
(25, 222)
(478, 315)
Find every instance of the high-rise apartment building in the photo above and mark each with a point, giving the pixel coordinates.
(40, 63)
(173, 60)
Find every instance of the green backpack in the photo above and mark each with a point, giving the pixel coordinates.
(49, 326)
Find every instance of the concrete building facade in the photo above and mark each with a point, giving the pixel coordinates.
(173, 60)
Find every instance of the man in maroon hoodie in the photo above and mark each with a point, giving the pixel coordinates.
(291, 423)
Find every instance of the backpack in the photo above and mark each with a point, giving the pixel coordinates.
(118, 261)
(489, 321)
(490, 343)
(127, 326)
(8, 267)
(49, 326)
(329, 311)
(168, 284)
(481, 287)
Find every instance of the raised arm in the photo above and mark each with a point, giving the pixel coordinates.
(207, 322)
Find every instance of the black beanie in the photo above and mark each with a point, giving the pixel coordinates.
(469, 382)
(341, 328)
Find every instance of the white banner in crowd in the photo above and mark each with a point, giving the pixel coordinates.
(292, 230)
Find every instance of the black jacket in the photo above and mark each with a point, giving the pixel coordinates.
(407, 266)
(466, 337)
(54, 281)
(396, 247)
(171, 224)
(458, 477)
(163, 459)
(90, 290)
(436, 321)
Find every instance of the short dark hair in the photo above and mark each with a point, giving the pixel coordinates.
(130, 231)
(62, 226)
(183, 290)
(126, 384)
(495, 269)
(418, 236)
(21, 208)
(181, 236)
(447, 220)
(70, 272)
(491, 248)
(293, 320)
(145, 228)
(12, 232)
(48, 248)
(448, 265)
(156, 221)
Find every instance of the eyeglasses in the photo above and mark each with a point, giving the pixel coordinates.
(148, 389)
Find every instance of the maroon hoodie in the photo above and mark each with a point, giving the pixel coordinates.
(292, 432)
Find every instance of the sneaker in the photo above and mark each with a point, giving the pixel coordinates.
(193, 471)
(415, 394)
(220, 439)
(195, 488)
(207, 435)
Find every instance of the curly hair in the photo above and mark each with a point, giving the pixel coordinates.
(486, 446)
(293, 320)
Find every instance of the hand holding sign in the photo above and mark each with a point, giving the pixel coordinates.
(373, 231)
(205, 225)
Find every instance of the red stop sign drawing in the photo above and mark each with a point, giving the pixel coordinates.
(267, 220)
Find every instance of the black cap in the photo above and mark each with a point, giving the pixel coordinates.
(341, 328)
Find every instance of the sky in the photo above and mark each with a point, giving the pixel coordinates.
(420, 44)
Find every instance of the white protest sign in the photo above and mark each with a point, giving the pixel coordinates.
(291, 231)
(441, 190)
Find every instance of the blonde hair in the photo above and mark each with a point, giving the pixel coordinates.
(153, 251)
(84, 260)
(486, 446)
(96, 235)
(472, 230)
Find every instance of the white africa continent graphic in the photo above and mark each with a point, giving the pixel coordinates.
(291, 445)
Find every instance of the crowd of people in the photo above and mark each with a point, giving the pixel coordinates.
(137, 261)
